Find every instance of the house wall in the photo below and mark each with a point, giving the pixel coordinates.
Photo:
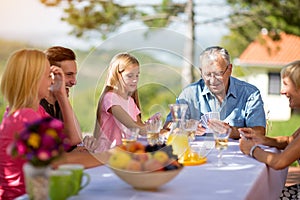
(276, 106)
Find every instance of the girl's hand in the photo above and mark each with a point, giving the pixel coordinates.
(90, 143)
(156, 116)
(153, 125)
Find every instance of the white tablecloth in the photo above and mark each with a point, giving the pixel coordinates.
(242, 178)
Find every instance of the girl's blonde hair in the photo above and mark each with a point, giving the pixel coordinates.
(114, 82)
(292, 71)
(21, 77)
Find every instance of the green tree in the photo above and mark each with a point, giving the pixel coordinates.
(245, 21)
(249, 17)
(106, 16)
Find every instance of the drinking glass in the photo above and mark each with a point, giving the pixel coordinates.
(221, 134)
(190, 127)
(153, 127)
(129, 135)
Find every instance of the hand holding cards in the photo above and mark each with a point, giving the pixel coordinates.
(206, 117)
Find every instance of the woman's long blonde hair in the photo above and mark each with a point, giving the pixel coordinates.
(292, 70)
(21, 77)
(114, 82)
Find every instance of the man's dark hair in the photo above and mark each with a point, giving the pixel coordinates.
(57, 54)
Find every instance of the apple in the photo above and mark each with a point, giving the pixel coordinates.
(119, 159)
(161, 156)
(153, 165)
(142, 156)
(134, 165)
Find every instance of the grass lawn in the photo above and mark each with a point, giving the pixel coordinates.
(279, 128)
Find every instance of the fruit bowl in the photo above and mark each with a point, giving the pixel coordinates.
(144, 167)
(147, 180)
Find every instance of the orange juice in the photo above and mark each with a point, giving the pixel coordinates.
(191, 158)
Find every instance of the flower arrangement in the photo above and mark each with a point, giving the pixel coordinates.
(40, 142)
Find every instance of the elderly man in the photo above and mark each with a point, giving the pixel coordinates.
(239, 103)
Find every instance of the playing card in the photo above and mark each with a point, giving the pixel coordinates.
(207, 116)
(214, 115)
(204, 121)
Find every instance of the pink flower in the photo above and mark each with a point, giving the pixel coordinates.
(40, 142)
(21, 147)
(43, 155)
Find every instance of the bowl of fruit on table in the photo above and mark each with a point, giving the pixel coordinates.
(144, 167)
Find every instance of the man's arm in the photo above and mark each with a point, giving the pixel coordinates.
(71, 125)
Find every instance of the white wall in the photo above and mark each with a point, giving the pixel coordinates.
(277, 106)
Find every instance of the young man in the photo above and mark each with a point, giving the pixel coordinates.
(65, 59)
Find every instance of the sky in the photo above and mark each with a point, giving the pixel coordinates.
(31, 21)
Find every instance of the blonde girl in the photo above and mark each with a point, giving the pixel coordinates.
(118, 106)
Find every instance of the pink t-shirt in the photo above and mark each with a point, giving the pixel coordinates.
(11, 174)
(110, 126)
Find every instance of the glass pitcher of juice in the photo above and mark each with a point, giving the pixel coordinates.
(177, 137)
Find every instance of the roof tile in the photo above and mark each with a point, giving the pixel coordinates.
(265, 51)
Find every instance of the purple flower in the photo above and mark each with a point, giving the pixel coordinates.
(48, 141)
(40, 142)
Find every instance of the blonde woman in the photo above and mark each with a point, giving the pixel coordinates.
(26, 80)
(118, 106)
(290, 145)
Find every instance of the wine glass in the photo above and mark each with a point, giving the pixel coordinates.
(190, 127)
(221, 133)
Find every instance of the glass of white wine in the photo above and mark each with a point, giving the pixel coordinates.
(190, 127)
(221, 133)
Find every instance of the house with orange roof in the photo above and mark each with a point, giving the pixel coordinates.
(262, 61)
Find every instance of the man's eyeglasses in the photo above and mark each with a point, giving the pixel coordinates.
(217, 75)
